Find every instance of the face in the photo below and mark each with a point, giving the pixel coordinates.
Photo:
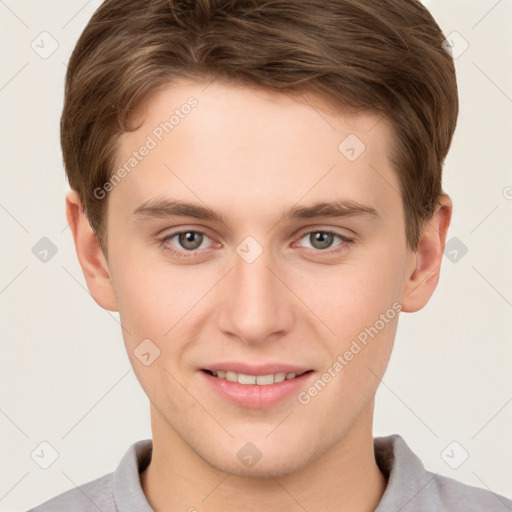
(223, 259)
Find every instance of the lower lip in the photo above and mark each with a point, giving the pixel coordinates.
(254, 395)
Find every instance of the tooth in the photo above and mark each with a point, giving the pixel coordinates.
(265, 379)
(246, 379)
(262, 380)
(231, 376)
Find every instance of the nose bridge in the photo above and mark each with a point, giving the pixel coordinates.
(257, 304)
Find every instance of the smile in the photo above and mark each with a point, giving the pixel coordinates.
(260, 380)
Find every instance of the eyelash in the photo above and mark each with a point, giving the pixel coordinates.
(345, 241)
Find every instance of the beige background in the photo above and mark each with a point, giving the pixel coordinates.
(65, 377)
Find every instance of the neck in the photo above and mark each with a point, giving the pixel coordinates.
(346, 478)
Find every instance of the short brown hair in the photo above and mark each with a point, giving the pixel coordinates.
(384, 56)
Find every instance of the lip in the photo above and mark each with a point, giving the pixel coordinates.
(255, 396)
(259, 369)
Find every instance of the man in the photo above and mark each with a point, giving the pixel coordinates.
(256, 188)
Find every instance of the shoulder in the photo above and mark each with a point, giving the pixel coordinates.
(89, 497)
(411, 488)
(120, 490)
(454, 495)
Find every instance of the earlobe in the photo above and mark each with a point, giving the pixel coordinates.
(91, 257)
(425, 262)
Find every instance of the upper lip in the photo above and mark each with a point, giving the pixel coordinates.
(256, 369)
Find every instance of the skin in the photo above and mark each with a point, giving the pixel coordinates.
(249, 154)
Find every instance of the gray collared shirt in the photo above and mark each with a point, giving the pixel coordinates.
(410, 487)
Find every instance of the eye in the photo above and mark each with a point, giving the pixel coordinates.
(186, 241)
(321, 240)
(190, 243)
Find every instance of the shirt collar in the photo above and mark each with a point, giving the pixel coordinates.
(128, 493)
(409, 484)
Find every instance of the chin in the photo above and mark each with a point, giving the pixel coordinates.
(249, 461)
(268, 469)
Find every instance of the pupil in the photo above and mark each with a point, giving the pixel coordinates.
(323, 240)
(187, 240)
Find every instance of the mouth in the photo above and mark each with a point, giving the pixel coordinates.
(256, 386)
(259, 380)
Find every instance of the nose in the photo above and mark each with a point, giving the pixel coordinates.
(258, 306)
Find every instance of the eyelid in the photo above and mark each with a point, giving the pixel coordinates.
(339, 231)
(345, 240)
(166, 246)
(167, 238)
(319, 229)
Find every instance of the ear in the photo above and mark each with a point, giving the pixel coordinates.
(425, 262)
(90, 255)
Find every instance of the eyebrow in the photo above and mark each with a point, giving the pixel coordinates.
(162, 208)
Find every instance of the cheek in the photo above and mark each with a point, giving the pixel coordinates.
(151, 304)
(359, 302)
(160, 302)
(349, 297)
(143, 308)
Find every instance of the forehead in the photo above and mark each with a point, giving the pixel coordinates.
(245, 144)
(223, 104)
